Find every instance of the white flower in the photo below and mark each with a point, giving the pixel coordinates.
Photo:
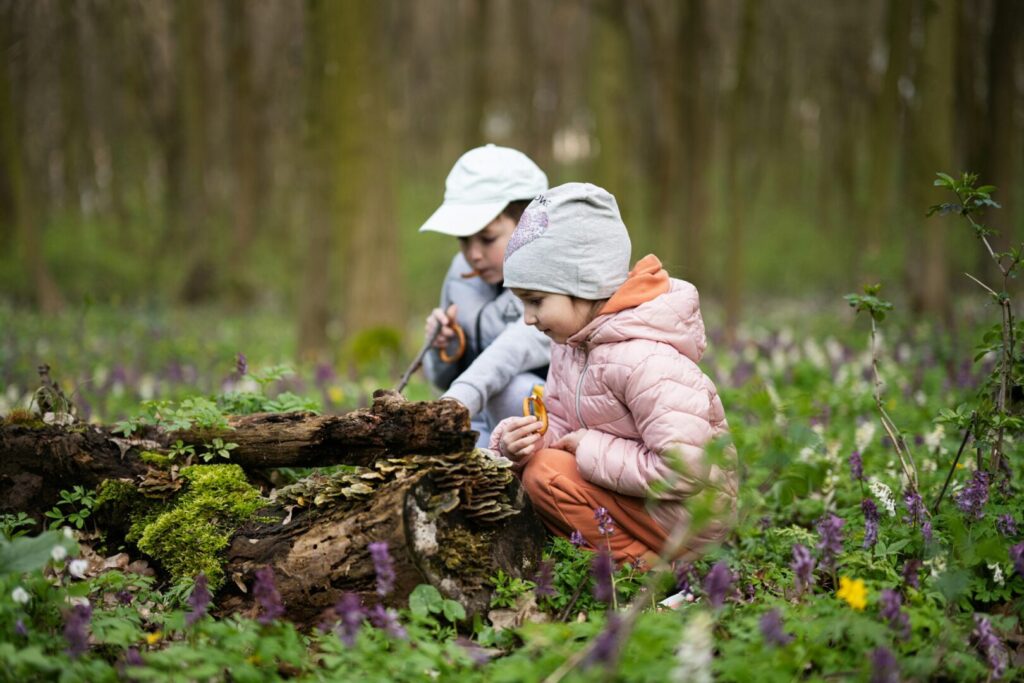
(693, 656)
(806, 454)
(69, 533)
(864, 436)
(20, 596)
(884, 495)
(58, 553)
(814, 353)
(997, 573)
(77, 568)
(933, 439)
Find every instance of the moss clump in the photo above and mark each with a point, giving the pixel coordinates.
(465, 552)
(157, 459)
(190, 536)
(26, 418)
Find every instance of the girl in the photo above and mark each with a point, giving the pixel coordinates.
(485, 195)
(629, 410)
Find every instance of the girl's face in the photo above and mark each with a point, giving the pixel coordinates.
(485, 250)
(557, 315)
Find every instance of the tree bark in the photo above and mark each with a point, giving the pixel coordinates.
(38, 462)
(317, 558)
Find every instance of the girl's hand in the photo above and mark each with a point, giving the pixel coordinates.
(571, 441)
(444, 318)
(520, 437)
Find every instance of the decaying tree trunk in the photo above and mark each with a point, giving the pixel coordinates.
(37, 462)
(450, 521)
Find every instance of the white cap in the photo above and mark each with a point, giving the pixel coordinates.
(482, 183)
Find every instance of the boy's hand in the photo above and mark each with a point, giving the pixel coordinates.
(520, 437)
(571, 441)
(444, 318)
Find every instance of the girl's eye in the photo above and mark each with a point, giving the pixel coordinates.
(488, 240)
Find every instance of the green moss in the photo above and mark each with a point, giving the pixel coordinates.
(154, 458)
(25, 418)
(465, 552)
(190, 536)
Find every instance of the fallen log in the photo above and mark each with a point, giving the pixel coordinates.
(37, 461)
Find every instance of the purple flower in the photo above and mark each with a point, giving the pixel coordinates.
(384, 567)
(856, 466)
(387, 620)
(870, 511)
(830, 542)
(915, 507)
(1017, 557)
(350, 611)
(545, 580)
(20, 629)
(605, 523)
(891, 611)
(606, 645)
(601, 568)
(241, 365)
(926, 530)
(972, 499)
(76, 629)
(124, 597)
(577, 539)
(1006, 525)
(717, 583)
(803, 568)
(133, 658)
(884, 668)
(988, 644)
(267, 596)
(771, 629)
(685, 574)
(910, 572)
(198, 601)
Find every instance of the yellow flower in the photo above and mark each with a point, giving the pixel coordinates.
(853, 592)
(154, 637)
(336, 394)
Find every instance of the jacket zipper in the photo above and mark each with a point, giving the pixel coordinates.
(579, 385)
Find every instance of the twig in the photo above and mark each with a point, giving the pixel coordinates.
(910, 471)
(952, 468)
(418, 360)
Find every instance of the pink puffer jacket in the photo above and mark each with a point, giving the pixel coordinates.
(631, 380)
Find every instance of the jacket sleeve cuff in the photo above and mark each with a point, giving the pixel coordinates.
(467, 395)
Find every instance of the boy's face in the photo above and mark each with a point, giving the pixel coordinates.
(485, 250)
(557, 315)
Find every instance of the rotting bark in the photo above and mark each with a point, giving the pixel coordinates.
(37, 462)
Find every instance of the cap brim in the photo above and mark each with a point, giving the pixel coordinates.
(462, 220)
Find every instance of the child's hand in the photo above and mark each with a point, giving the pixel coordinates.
(520, 437)
(571, 441)
(444, 318)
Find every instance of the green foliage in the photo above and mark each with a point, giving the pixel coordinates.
(870, 303)
(507, 589)
(15, 525)
(78, 503)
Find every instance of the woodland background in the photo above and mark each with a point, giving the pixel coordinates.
(280, 154)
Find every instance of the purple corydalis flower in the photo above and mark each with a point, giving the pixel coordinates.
(972, 499)
(241, 364)
(576, 538)
(830, 541)
(1006, 525)
(265, 592)
(771, 629)
(926, 530)
(76, 629)
(124, 597)
(893, 613)
(884, 667)
(685, 573)
(1017, 557)
(717, 583)
(803, 568)
(988, 644)
(856, 466)
(545, 580)
(20, 629)
(384, 567)
(606, 645)
(350, 611)
(387, 620)
(601, 568)
(605, 523)
(870, 511)
(910, 572)
(133, 658)
(198, 601)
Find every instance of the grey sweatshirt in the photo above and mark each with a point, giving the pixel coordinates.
(499, 345)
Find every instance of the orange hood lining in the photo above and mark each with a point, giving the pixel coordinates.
(646, 281)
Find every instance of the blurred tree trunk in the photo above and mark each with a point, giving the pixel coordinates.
(74, 129)
(474, 56)
(609, 94)
(737, 191)
(1001, 164)
(245, 147)
(193, 228)
(931, 144)
(17, 174)
(883, 140)
(316, 226)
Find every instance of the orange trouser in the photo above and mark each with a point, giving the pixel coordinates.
(566, 502)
